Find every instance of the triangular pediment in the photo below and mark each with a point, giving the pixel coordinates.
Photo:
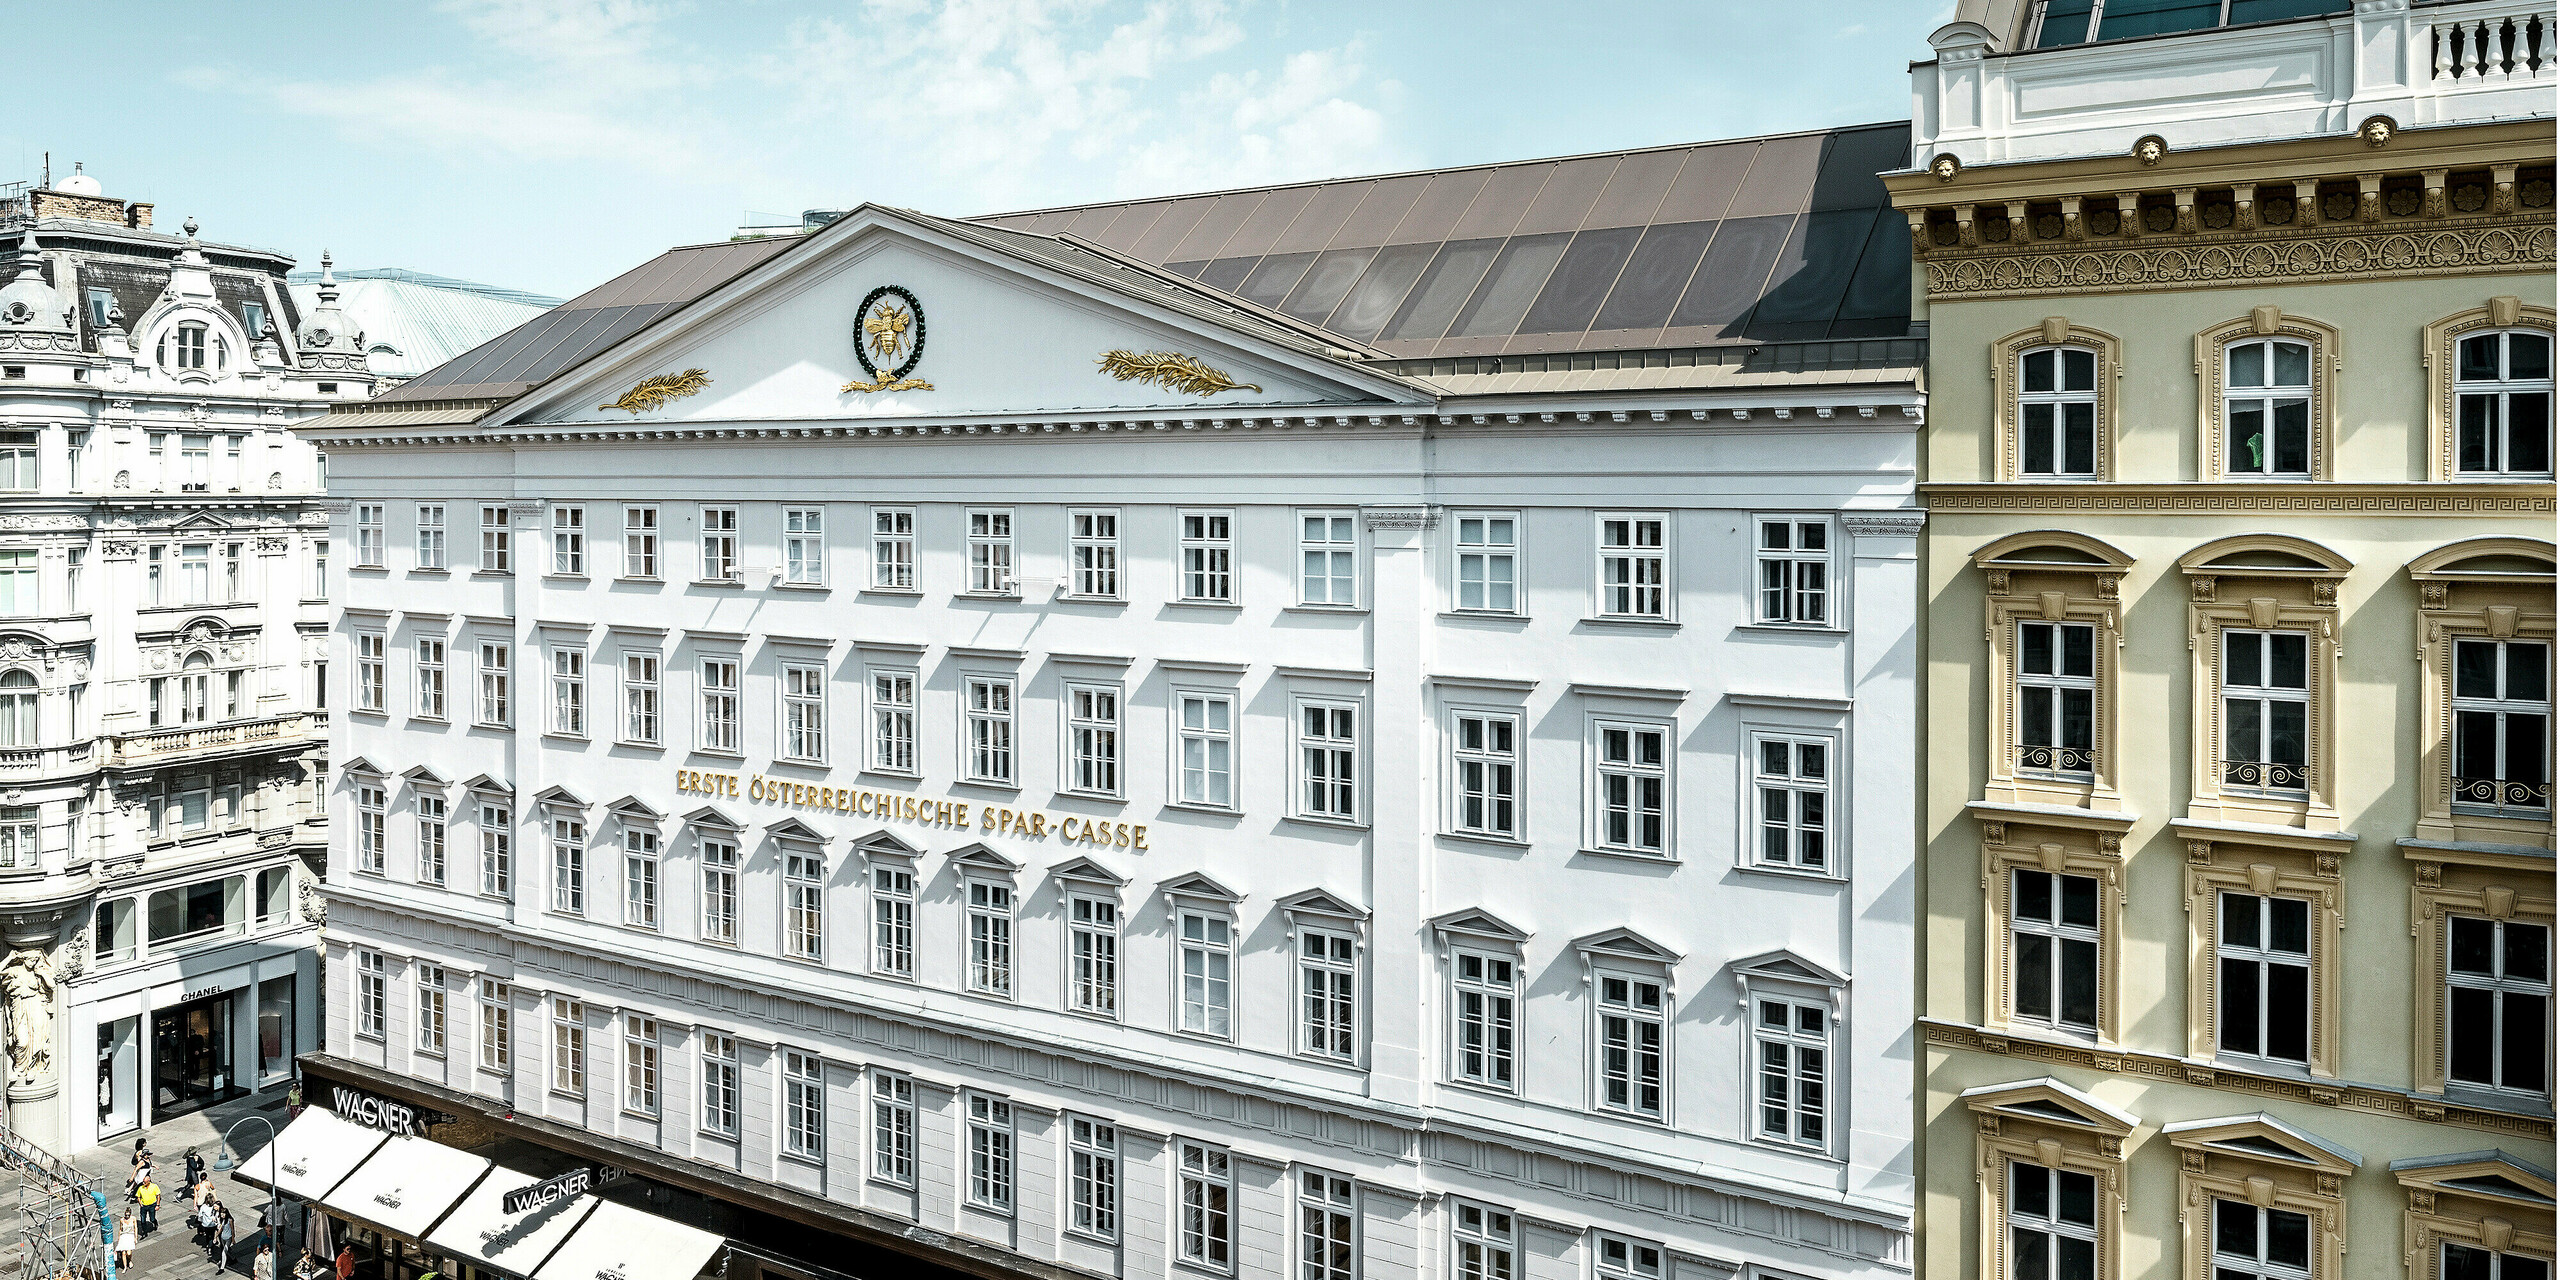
(363, 766)
(1475, 922)
(1317, 902)
(635, 809)
(424, 777)
(1088, 871)
(795, 829)
(2264, 1139)
(981, 858)
(2050, 1101)
(1783, 965)
(199, 520)
(885, 843)
(1625, 944)
(996, 324)
(711, 816)
(560, 798)
(487, 785)
(1200, 887)
(2493, 1176)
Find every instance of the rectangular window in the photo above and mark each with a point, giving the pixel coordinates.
(1093, 955)
(195, 574)
(991, 552)
(1793, 778)
(719, 544)
(370, 842)
(319, 573)
(1486, 990)
(2502, 727)
(2464, 1262)
(431, 839)
(1488, 574)
(495, 684)
(639, 542)
(2057, 697)
(893, 921)
(804, 918)
(720, 1084)
(2250, 1243)
(893, 1129)
(893, 548)
(1328, 1227)
(19, 593)
(1631, 1040)
(1619, 1258)
(1328, 760)
(2498, 1004)
(1093, 739)
(2263, 971)
(1207, 957)
(719, 705)
(1207, 760)
(372, 535)
(1328, 559)
(430, 678)
(804, 1105)
(1635, 567)
(74, 561)
(2053, 1221)
(893, 721)
(2053, 949)
(1208, 556)
(1631, 782)
(497, 856)
(2267, 409)
(1794, 1045)
(639, 1064)
(569, 692)
(372, 1017)
(569, 540)
(372, 681)
(1795, 572)
(2502, 386)
(990, 1153)
(804, 712)
(640, 698)
(1486, 775)
(568, 1046)
(1486, 1243)
(640, 877)
(987, 712)
(431, 1010)
(719, 890)
(2058, 413)
(2266, 709)
(569, 866)
(497, 540)
(991, 939)
(497, 1026)
(155, 587)
(431, 535)
(1093, 552)
(1093, 1178)
(1328, 979)
(804, 546)
(1205, 1218)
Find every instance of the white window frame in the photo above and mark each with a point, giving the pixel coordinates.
(993, 570)
(497, 539)
(1484, 1019)
(1485, 773)
(497, 684)
(373, 683)
(893, 549)
(372, 535)
(2234, 770)
(717, 854)
(720, 1110)
(1619, 1257)
(1204, 757)
(1325, 756)
(497, 1026)
(1620, 772)
(892, 941)
(643, 719)
(804, 903)
(372, 1015)
(2264, 957)
(803, 690)
(1093, 1179)
(1484, 1242)
(720, 543)
(435, 833)
(988, 1147)
(1204, 1206)
(1631, 1071)
(568, 1046)
(2495, 790)
(987, 943)
(1093, 955)
(988, 739)
(1094, 560)
(804, 1105)
(2498, 394)
(718, 681)
(1632, 578)
(1328, 1226)
(643, 879)
(1204, 972)
(891, 693)
(2501, 988)
(431, 654)
(2256, 1265)
(641, 1059)
(568, 864)
(569, 692)
(1093, 757)
(2058, 934)
(2268, 397)
(1793, 1042)
(640, 542)
(804, 546)
(2057, 401)
(893, 1129)
(568, 541)
(2055, 689)
(371, 841)
(1206, 567)
(2052, 1227)
(1484, 556)
(431, 542)
(497, 851)
(1795, 584)
(1328, 991)
(1807, 832)
(1328, 558)
(433, 1010)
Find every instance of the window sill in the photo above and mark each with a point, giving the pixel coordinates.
(902, 775)
(568, 1095)
(1194, 806)
(1630, 855)
(642, 746)
(1323, 608)
(716, 1135)
(889, 591)
(1346, 824)
(1205, 604)
(431, 719)
(1641, 624)
(1107, 601)
(2498, 1100)
(1794, 628)
(650, 1116)
(1819, 1151)
(723, 753)
(1011, 596)
(1483, 615)
(1088, 797)
(806, 588)
(891, 1183)
(558, 735)
(735, 584)
(2488, 477)
(370, 570)
(989, 997)
(422, 571)
(799, 762)
(369, 713)
(1487, 1090)
(804, 1161)
(1094, 1015)
(564, 577)
(1480, 837)
(493, 573)
(989, 784)
(1792, 873)
(490, 724)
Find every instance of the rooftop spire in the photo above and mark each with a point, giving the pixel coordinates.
(328, 282)
(30, 259)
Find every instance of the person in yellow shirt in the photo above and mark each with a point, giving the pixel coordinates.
(148, 1196)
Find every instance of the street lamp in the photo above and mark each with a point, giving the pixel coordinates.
(273, 1214)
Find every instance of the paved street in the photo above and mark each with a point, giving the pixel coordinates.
(170, 1253)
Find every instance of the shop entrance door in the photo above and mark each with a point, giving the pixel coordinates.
(191, 1057)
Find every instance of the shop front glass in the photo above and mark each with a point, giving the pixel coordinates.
(275, 1028)
(191, 1057)
(119, 1076)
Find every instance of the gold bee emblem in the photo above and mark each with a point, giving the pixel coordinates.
(888, 340)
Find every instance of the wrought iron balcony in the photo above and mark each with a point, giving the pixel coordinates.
(2265, 775)
(2036, 759)
(2504, 795)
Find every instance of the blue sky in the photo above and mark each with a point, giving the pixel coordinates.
(549, 146)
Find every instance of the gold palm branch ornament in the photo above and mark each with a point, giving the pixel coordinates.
(1171, 370)
(888, 340)
(654, 393)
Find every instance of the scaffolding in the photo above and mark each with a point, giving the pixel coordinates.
(63, 1220)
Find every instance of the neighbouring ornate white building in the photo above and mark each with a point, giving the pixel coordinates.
(1352, 729)
(163, 554)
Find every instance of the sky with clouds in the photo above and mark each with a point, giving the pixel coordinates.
(551, 145)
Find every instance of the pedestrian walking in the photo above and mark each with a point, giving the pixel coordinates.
(293, 1100)
(195, 1169)
(263, 1267)
(347, 1262)
(128, 1239)
(224, 1232)
(147, 1195)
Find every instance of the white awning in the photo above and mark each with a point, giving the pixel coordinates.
(624, 1243)
(407, 1185)
(481, 1230)
(313, 1154)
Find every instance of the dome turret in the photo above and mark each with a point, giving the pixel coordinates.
(327, 328)
(27, 302)
(80, 183)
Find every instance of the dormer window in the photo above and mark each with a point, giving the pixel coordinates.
(100, 303)
(186, 347)
(255, 317)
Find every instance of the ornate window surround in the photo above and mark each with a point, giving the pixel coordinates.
(2303, 866)
(2021, 585)
(2450, 1200)
(2091, 846)
(2054, 331)
(2456, 603)
(2267, 322)
(2452, 880)
(2436, 353)
(2049, 1123)
(2236, 1158)
(2301, 596)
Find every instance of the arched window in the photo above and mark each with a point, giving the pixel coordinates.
(195, 690)
(18, 709)
(2058, 413)
(2267, 408)
(2502, 404)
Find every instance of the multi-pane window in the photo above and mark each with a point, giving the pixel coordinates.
(2053, 949)
(2250, 1243)
(1795, 572)
(2502, 399)
(1328, 559)
(987, 714)
(2466, 1262)
(1619, 1258)
(431, 677)
(1207, 759)
(569, 692)
(640, 877)
(640, 673)
(991, 552)
(431, 547)
(804, 712)
(1205, 1219)
(804, 546)
(496, 684)
(1488, 563)
(19, 590)
(893, 1128)
(188, 343)
(497, 852)
(1486, 1242)
(1093, 553)
(431, 838)
(497, 1026)
(568, 1045)
(1329, 760)
(1634, 567)
(1328, 977)
(804, 920)
(2057, 697)
(1093, 1178)
(372, 1018)
(719, 890)
(2266, 709)
(1631, 1042)
(370, 838)
(497, 540)
(372, 535)
(1794, 1047)
(431, 1010)
(990, 913)
(990, 1152)
(893, 548)
(2266, 407)
(804, 1105)
(1093, 955)
(893, 921)
(569, 540)
(893, 721)
(720, 1083)
(1328, 1227)
(1487, 774)
(1208, 556)
(2053, 1222)
(719, 544)
(719, 704)
(1631, 780)
(2262, 999)
(1793, 777)
(1207, 957)
(1093, 739)
(195, 574)
(569, 865)
(2502, 726)
(640, 1064)
(1486, 1005)
(2058, 413)
(639, 542)
(2498, 1004)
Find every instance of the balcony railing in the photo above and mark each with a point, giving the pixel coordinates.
(2036, 759)
(2509, 44)
(2504, 796)
(203, 739)
(2265, 775)
(21, 761)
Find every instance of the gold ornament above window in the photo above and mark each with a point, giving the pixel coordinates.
(1171, 370)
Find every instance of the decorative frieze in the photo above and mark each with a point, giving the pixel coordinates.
(2066, 268)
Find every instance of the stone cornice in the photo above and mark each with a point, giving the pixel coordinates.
(2517, 142)
(2343, 251)
(2180, 498)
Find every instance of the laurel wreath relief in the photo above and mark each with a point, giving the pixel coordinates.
(1171, 370)
(654, 393)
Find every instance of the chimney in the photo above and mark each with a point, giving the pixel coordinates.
(138, 215)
